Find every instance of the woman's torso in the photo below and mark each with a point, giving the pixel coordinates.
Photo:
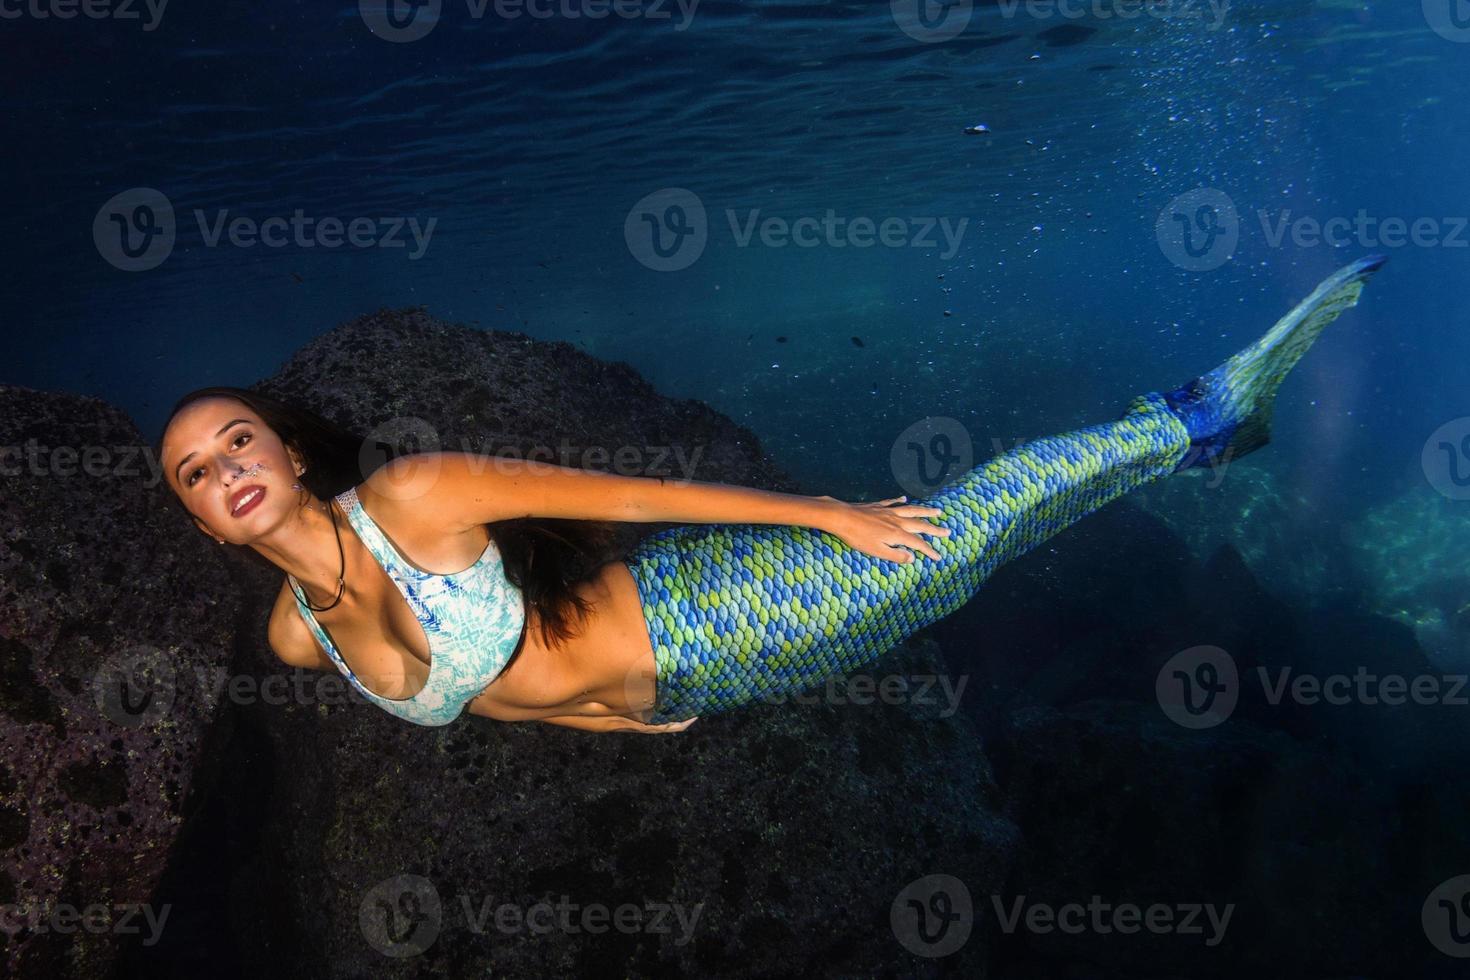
(606, 669)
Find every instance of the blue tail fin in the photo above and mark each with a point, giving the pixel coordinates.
(1228, 411)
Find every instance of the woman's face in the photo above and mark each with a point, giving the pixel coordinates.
(232, 471)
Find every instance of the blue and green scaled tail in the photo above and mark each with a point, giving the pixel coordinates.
(745, 612)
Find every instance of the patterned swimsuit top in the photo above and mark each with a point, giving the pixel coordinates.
(473, 620)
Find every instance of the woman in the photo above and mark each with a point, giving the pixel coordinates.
(423, 584)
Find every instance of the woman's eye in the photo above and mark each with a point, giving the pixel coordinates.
(234, 444)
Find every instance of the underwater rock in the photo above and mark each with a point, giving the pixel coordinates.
(1325, 867)
(1413, 550)
(777, 826)
(112, 609)
(1290, 543)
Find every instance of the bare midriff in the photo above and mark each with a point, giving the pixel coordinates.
(606, 669)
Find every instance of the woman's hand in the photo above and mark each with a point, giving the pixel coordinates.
(885, 531)
(638, 726)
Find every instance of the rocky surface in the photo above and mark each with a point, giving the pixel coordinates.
(1326, 822)
(326, 838)
(774, 828)
(1413, 549)
(114, 620)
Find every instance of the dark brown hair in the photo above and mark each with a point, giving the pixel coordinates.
(543, 557)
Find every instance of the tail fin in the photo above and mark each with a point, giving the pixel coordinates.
(1228, 411)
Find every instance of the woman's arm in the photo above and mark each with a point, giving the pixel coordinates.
(614, 723)
(463, 489)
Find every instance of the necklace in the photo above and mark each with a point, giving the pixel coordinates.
(342, 557)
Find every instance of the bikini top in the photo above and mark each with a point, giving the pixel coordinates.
(473, 621)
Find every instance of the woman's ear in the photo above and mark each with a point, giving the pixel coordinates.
(205, 528)
(297, 466)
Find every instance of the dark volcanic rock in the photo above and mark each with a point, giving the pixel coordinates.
(776, 826)
(1326, 866)
(115, 619)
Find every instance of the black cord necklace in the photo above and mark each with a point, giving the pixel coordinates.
(341, 555)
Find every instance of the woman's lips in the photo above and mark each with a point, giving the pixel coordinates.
(246, 499)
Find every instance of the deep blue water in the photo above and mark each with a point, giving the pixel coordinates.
(528, 141)
(526, 145)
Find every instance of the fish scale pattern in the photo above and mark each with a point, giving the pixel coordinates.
(746, 612)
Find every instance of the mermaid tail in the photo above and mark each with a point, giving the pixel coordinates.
(1228, 411)
(743, 612)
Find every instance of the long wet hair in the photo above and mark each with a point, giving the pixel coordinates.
(543, 557)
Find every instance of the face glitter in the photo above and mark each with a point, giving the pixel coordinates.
(251, 470)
